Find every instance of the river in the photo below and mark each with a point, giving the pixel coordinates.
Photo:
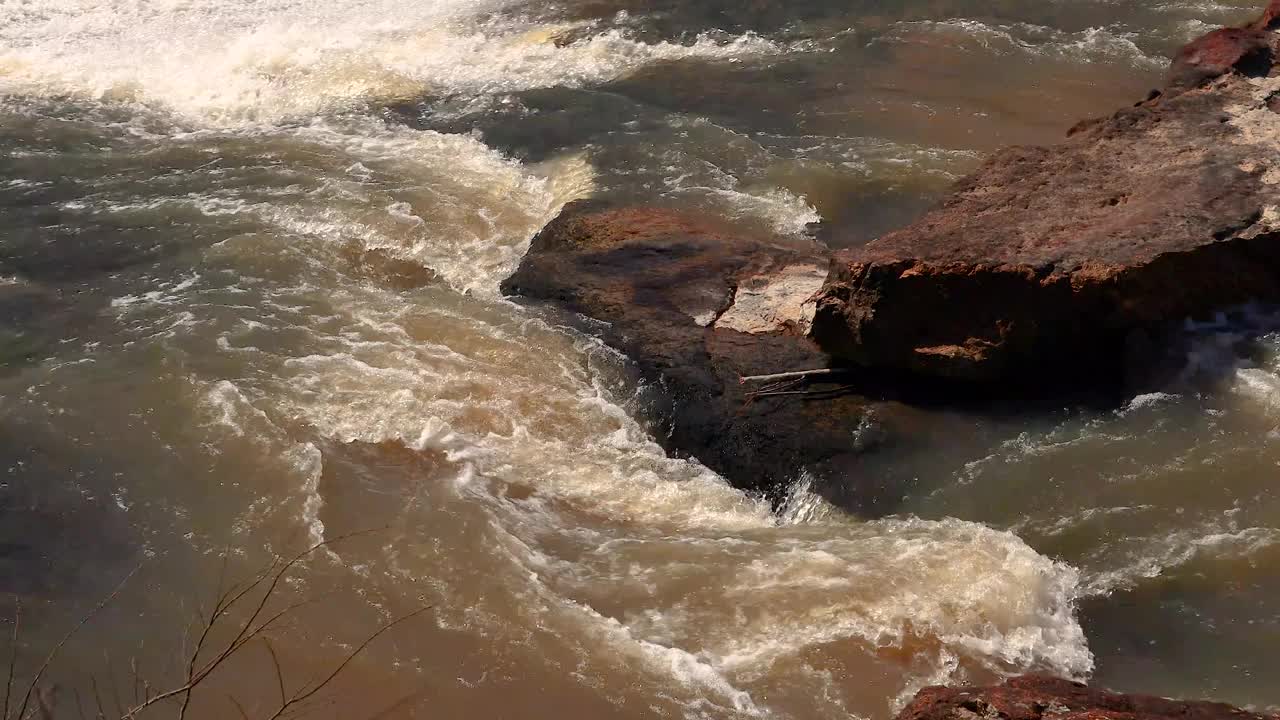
(250, 253)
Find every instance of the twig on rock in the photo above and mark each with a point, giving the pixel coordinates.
(743, 380)
(830, 391)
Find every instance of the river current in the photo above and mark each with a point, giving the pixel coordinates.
(250, 253)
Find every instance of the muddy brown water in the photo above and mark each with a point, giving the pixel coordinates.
(249, 259)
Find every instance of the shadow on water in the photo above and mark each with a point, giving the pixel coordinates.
(51, 511)
(963, 421)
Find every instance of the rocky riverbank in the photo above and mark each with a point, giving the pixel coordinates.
(1068, 262)
(1038, 697)
(1072, 258)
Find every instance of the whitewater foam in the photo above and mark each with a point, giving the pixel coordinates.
(1092, 45)
(232, 62)
(295, 350)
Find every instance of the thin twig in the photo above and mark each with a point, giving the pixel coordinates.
(787, 375)
(79, 705)
(243, 715)
(46, 700)
(26, 698)
(275, 661)
(407, 701)
(97, 697)
(275, 572)
(224, 601)
(115, 686)
(772, 387)
(298, 698)
(830, 391)
(133, 670)
(13, 655)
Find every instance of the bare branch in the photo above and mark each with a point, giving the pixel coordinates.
(275, 661)
(407, 701)
(79, 706)
(35, 681)
(114, 686)
(830, 391)
(303, 695)
(45, 702)
(240, 708)
(275, 572)
(133, 672)
(13, 655)
(97, 697)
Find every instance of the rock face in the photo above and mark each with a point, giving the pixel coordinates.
(1065, 258)
(695, 308)
(1038, 697)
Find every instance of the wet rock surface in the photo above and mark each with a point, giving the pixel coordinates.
(696, 307)
(1066, 258)
(1039, 697)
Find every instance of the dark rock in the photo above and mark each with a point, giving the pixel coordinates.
(1047, 259)
(1039, 697)
(696, 307)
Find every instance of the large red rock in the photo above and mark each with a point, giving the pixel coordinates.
(695, 306)
(1039, 697)
(1066, 258)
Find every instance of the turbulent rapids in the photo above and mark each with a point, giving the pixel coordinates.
(251, 253)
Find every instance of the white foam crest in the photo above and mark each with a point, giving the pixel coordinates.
(228, 406)
(873, 156)
(943, 592)
(1147, 401)
(232, 61)
(463, 209)
(443, 201)
(788, 213)
(166, 293)
(688, 669)
(1157, 556)
(802, 505)
(579, 447)
(1259, 386)
(973, 588)
(1091, 45)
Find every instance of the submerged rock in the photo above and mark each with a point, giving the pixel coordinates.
(696, 306)
(1039, 697)
(1063, 258)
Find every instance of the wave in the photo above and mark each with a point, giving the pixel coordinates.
(1094, 45)
(1138, 474)
(651, 566)
(231, 62)
(538, 485)
(1211, 545)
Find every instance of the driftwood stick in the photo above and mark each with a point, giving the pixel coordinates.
(812, 393)
(786, 375)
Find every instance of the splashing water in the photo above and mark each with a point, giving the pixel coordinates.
(262, 305)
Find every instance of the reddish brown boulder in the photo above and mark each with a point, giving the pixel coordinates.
(1270, 17)
(1039, 697)
(1243, 50)
(696, 306)
(1060, 258)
